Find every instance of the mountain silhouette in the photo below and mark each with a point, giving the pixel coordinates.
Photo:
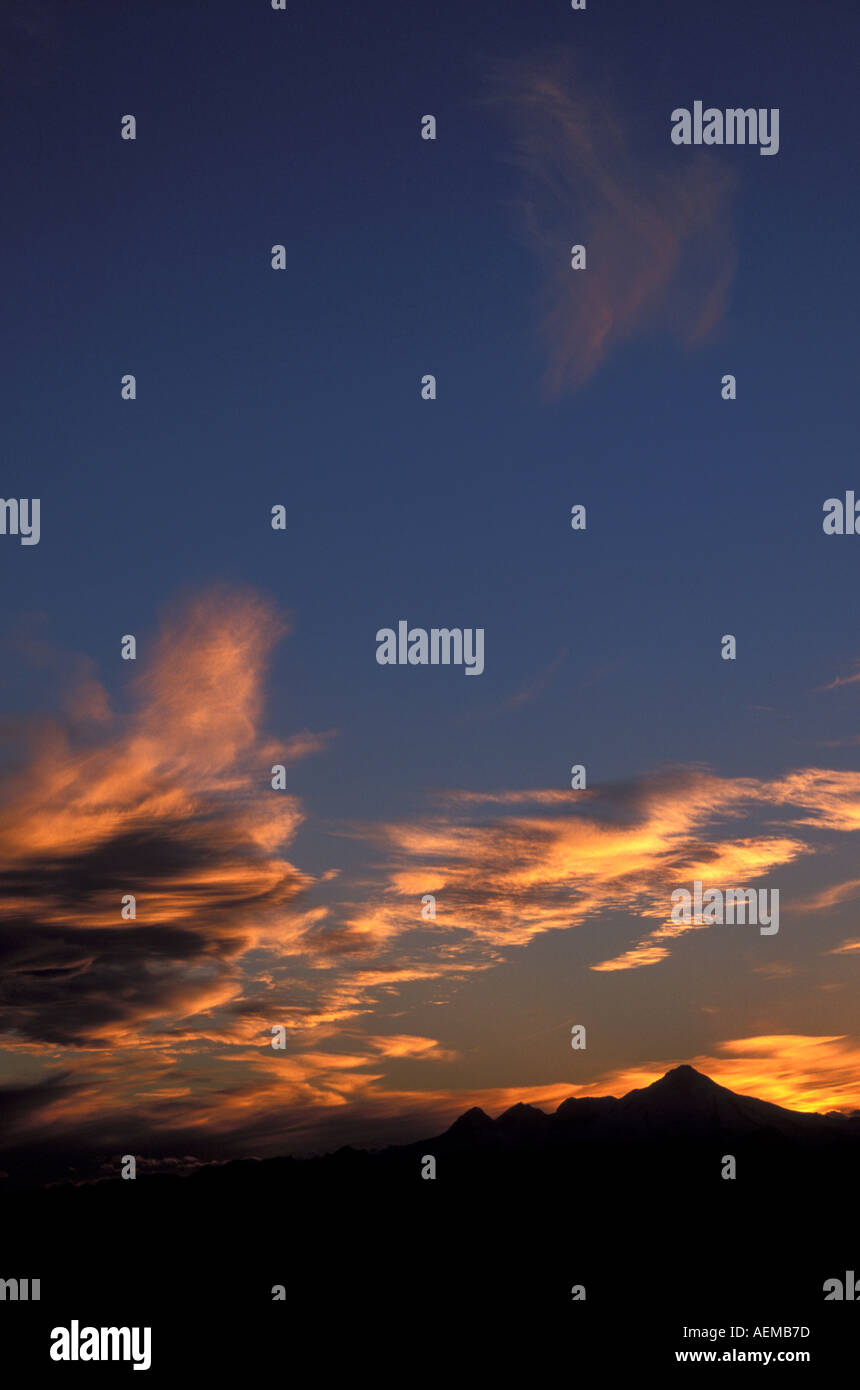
(629, 1196)
(472, 1123)
(684, 1105)
(685, 1101)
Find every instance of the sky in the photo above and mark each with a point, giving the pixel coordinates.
(301, 388)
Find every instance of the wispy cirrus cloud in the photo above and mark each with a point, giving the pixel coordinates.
(838, 681)
(661, 253)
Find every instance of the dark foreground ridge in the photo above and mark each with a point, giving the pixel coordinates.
(623, 1196)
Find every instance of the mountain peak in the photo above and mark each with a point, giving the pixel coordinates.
(522, 1115)
(471, 1122)
(687, 1078)
(685, 1101)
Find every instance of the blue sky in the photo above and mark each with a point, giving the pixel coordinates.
(406, 257)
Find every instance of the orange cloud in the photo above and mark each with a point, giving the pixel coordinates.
(548, 860)
(172, 804)
(164, 1022)
(828, 897)
(504, 881)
